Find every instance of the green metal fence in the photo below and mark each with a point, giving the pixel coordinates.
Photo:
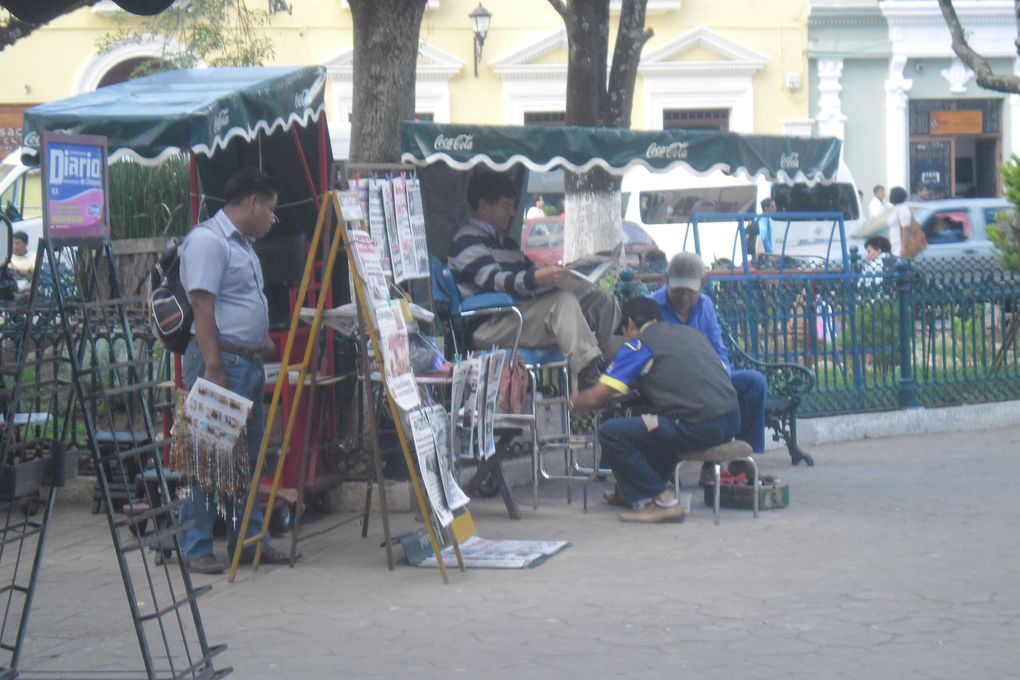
(935, 334)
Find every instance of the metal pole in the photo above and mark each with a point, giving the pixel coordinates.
(906, 388)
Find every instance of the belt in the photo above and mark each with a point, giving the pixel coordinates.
(249, 354)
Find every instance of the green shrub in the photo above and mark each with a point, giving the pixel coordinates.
(150, 200)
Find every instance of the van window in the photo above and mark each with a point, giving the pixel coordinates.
(839, 197)
(23, 198)
(677, 205)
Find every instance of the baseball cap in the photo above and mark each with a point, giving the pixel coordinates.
(686, 270)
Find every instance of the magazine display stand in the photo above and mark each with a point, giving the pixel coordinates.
(343, 207)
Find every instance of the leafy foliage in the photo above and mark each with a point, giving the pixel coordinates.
(1005, 233)
(150, 200)
(196, 32)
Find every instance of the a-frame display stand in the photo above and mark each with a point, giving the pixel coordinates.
(100, 376)
(329, 212)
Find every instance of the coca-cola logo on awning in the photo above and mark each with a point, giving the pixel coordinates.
(676, 150)
(457, 143)
(790, 161)
(221, 120)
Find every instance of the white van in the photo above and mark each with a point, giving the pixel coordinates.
(663, 203)
(21, 197)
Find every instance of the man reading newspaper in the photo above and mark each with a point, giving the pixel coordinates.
(485, 259)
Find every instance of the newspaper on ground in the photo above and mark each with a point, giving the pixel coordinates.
(439, 420)
(428, 465)
(482, 553)
(377, 224)
(495, 370)
(396, 356)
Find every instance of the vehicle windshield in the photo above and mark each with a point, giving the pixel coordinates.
(840, 197)
(675, 206)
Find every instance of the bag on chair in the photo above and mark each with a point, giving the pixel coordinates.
(513, 387)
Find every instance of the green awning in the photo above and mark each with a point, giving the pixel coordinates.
(578, 149)
(200, 110)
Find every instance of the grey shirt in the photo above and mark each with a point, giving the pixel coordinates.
(220, 260)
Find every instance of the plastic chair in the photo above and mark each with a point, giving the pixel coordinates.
(449, 305)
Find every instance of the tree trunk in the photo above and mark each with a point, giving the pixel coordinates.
(385, 61)
(592, 203)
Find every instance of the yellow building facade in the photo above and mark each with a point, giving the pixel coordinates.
(739, 65)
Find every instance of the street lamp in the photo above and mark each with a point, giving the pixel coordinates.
(480, 19)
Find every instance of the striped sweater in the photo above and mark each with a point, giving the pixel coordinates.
(484, 261)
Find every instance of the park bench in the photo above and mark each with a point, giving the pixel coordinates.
(788, 383)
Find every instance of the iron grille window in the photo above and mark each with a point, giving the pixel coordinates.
(697, 119)
(545, 118)
(921, 110)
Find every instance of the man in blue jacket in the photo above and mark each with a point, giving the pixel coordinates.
(681, 301)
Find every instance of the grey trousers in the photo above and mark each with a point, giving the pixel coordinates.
(581, 329)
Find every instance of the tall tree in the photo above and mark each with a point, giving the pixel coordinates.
(983, 72)
(600, 93)
(385, 64)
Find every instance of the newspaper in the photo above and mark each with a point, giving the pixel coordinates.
(396, 356)
(350, 206)
(586, 272)
(215, 416)
(428, 465)
(439, 420)
(377, 224)
(482, 553)
(405, 239)
(392, 233)
(495, 370)
(474, 404)
(360, 186)
(368, 266)
(416, 216)
(460, 445)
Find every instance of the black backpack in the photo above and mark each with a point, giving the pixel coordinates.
(168, 302)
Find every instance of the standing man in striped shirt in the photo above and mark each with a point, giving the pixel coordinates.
(223, 277)
(485, 259)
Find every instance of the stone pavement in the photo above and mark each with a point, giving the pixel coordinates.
(897, 558)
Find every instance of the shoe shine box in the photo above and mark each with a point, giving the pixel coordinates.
(770, 496)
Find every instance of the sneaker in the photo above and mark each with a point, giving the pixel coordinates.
(206, 564)
(654, 514)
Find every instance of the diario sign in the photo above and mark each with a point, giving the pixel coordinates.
(75, 207)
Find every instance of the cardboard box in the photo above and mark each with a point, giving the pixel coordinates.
(770, 496)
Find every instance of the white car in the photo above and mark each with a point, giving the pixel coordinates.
(21, 197)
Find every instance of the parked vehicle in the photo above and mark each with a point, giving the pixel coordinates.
(663, 203)
(955, 228)
(542, 242)
(21, 197)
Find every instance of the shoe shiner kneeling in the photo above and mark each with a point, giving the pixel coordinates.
(691, 405)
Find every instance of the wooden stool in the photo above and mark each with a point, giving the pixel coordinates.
(723, 453)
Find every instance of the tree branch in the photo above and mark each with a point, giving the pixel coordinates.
(630, 40)
(986, 77)
(560, 8)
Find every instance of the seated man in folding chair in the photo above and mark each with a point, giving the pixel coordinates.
(681, 301)
(691, 406)
(484, 259)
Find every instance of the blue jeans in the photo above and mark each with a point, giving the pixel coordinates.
(752, 391)
(248, 379)
(643, 460)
